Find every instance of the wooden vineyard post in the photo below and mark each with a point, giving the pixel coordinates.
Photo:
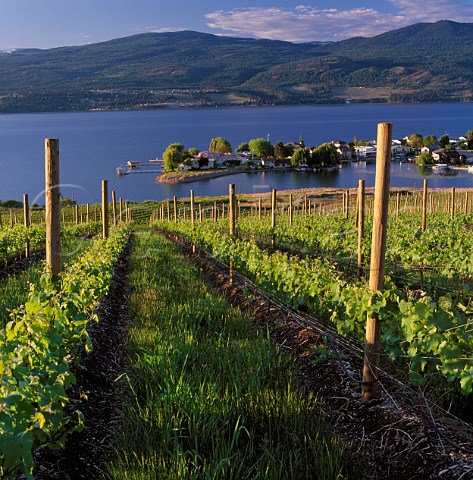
(452, 204)
(424, 206)
(398, 204)
(232, 213)
(174, 201)
(273, 217)
(200, 213)
(26, 220)
(290, 209)
(378, 250)
(347, 203)
(232, 222)
(87, 213)
(361, 224)
(120, 209)
(260, 201)
(76, 213)
(104, 208)
(12, 222)
(53, 207)
(114, 208)
(192, 209)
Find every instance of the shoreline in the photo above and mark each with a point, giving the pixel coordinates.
(173, 178)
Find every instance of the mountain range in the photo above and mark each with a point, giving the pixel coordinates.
(425, 62)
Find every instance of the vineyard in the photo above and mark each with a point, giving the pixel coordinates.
(224, 338)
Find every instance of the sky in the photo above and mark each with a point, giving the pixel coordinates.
(55, 23)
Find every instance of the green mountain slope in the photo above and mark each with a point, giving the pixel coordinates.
(422, 62)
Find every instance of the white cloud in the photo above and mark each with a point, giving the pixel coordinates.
(305, 23)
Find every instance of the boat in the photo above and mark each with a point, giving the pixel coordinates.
(470, 169)
(122, 171)
(303, 167)
(440, 167)
(133, 164)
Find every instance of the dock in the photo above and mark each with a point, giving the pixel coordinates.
(140, 167)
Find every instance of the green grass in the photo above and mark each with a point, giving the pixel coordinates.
(209, 398)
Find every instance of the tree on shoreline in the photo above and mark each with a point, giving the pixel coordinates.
(415, 140)
(173, 156)
(260, 147)
(220, 145)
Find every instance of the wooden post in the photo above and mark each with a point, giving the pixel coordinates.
(273, 217)
(232, 223)
(174, 200)
(26, 220)
(87, 213)
(290, 209)
(361, 224)
(260, 205)
(347, 204)
(424, 206)
(76, 213)
(192, 208)
(200, 213)
(114, 208)
(120, 209)
(105, 208)
(452, 204)
(378, 250)
(232, 208)
(12, 222)
(53, 207)
(273, 208)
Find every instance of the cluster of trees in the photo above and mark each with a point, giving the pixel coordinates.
(416, 140)
(425, 158)
(324, 155)
(176, 153)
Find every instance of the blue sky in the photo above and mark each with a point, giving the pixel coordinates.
(53, 23)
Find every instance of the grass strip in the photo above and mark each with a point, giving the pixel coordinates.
(209, 398)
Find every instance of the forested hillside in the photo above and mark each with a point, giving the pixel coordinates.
(422, 62)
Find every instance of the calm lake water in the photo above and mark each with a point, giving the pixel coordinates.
(93, 144)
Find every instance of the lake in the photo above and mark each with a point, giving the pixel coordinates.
(93, 144)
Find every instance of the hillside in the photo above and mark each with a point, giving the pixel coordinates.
(422, 62)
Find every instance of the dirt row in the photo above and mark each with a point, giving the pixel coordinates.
(389, 437)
